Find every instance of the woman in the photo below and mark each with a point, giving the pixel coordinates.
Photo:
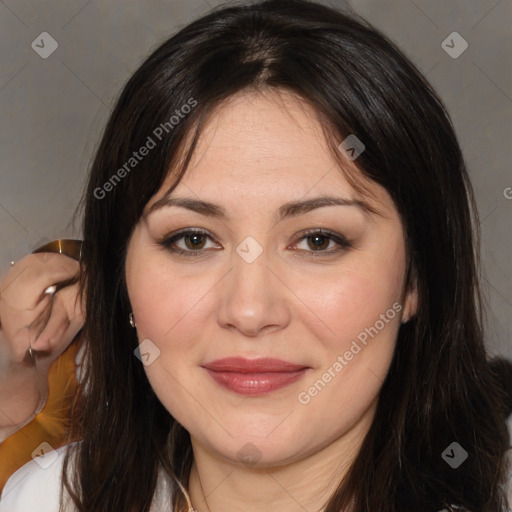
(280, 284)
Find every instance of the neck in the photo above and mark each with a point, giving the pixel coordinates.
(218, 484)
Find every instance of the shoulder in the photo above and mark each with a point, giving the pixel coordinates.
(36, 485)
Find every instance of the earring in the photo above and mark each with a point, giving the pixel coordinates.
(132, 321)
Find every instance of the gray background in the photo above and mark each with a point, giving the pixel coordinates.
(54, 109)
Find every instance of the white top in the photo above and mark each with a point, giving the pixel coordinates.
(35, 487)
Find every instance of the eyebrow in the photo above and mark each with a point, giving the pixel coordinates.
(287, 210)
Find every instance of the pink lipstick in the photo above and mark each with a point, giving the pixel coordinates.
(254, 376)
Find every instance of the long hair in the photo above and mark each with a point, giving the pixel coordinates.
(441, 387)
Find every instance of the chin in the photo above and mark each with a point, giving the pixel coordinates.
(248, 449)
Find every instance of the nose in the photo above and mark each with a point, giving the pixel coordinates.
(254, 301)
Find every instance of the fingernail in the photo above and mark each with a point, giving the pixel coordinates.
(50, 290)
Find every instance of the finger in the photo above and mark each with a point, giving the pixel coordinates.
(25, 288)
(66, 300)
(58, 269)
(43, 273)
(53, 333)
(72, 299)
(20, 328)
(64, 323)
(39, 323)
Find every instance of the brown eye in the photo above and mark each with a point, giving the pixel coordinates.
(318, 241)
(194, 241)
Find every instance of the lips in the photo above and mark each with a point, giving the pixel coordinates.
(254, 376)
(241, 365)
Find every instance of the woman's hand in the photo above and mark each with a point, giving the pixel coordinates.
(40, 314)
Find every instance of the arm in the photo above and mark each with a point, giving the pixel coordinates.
(35, 328)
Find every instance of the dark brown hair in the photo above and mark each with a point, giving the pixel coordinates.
(440, 387)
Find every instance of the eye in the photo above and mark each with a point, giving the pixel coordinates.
(194, 241)
(318, 240)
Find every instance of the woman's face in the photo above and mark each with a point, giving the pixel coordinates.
(260, 281)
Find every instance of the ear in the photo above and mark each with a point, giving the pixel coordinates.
(410, 300)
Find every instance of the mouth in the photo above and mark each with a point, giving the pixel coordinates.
(254, 376)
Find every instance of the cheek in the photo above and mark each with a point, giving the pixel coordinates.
(351, 301)
(169, 311)
(358, 342)
(169, 306)
(360, 313)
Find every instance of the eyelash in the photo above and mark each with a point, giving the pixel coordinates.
(339, 239)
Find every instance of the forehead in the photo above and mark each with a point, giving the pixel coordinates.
(256, 134)
(264, 146)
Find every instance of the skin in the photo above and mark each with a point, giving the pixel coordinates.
(45, 322)
(257, 153)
